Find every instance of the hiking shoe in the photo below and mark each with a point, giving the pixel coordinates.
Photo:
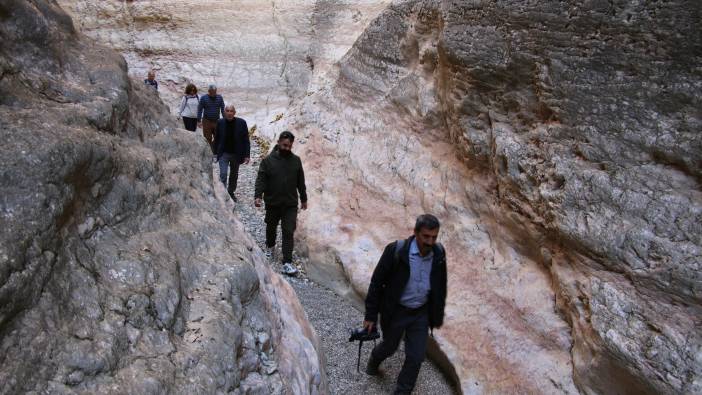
(372, 367)
(269, 251)
(289, 269)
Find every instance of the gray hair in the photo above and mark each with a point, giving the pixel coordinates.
(212, 86)
(229, 107)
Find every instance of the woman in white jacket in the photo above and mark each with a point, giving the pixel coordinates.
(188, 107)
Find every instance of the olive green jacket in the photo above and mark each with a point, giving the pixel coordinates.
(279, 180)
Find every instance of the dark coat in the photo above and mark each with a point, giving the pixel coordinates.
(242, 145)
(279, 180)
(389, 280)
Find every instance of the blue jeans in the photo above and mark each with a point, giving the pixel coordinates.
(226, 162)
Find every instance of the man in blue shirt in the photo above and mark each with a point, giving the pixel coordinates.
(408, 289)
(151, 80)
(208, 111)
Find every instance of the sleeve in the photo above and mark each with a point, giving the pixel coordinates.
(219, 138)
(378, 282)
(247, 141)
(261, 179)
(200, 107)
(301, 187)
(183, 101)
(442, 296)
(221, 106)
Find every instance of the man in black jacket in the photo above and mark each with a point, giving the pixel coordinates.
(408, 289)
(233, 147)
(280, 178)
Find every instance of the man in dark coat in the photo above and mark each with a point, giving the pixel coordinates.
(233, 147)
(408, 289)
(280, 178)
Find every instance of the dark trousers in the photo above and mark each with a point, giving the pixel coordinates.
(415, 328)
(229, 163)
(287, 216)
(190, 123)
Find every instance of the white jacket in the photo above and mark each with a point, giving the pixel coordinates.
(188, 106)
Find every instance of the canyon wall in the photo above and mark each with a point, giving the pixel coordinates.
(559, 143)
(261, 54)
(122, 269)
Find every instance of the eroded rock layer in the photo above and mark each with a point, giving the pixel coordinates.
(261, 54)
(560, 144)
(121, 268)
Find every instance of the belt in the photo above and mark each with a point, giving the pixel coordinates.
(413, 311)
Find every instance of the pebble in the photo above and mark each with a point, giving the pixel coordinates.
(331, 315)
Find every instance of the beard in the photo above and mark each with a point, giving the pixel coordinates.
(285, 152)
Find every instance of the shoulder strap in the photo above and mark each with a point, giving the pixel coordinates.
(398, 246)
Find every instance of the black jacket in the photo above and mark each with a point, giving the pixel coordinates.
(240, 139)
(279, 180)
(389, 281)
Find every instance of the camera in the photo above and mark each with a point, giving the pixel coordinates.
(362, 334)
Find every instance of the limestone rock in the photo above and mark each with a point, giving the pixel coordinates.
(121, 269)
(559, 144)
(261, 54)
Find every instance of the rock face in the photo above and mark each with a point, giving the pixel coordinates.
(261, 54)
(558, 142)
(121, 269)
(560, 145)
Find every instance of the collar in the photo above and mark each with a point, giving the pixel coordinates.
(414, 249)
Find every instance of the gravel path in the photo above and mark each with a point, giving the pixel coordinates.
(331, 315)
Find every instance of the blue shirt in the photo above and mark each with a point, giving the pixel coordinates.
(211, 107)
(417, 289)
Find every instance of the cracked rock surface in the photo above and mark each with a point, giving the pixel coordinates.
(559, 143)
(121, 268)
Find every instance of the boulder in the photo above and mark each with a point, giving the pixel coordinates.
(122, 269)
(559, 145)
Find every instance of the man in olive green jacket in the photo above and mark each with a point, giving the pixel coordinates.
(280, 178)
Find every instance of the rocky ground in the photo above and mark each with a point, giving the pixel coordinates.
(331, 315)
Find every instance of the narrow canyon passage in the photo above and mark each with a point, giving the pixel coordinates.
(558, 142)
(330, 314)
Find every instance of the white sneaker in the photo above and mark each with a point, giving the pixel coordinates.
(289, 269)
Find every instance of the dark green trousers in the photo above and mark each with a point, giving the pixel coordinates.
(287, 217)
